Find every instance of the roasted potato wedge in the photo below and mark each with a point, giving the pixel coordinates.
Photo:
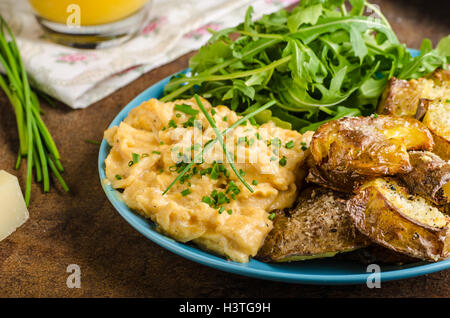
(429, 178)
(437, 119)
(403, 98)
(319, 226)
(389, 215)
(351, 149)
(400, 98)
(342, 181)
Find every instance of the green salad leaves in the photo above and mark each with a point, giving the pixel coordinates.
(321, 61)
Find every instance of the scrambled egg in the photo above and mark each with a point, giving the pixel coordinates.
(209, 206)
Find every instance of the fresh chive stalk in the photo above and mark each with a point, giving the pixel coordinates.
(36, 142)
(210, 144)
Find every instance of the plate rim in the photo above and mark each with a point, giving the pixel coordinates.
(197, 255)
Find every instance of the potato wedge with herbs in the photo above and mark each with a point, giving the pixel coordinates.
(389, 215)
(437, 119)
(319, 226)
(429, 178)
(403, 98)
(349, 150)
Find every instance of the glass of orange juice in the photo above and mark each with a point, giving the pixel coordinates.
(91, 23)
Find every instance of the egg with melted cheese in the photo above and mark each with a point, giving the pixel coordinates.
(209, 205)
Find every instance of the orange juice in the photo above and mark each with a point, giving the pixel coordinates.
(92, 12)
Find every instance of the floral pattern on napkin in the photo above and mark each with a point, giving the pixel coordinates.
(80, 78)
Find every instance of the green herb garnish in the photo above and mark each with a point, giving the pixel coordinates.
(35, 141)
(185, 192)
(289, 145)
(172, 123)
(272, 216)
(208, 145)
(283, 161)
(304, 146)
(155, 152)
(135, 157)
(219, 136)
(187, 109)
(318, 62)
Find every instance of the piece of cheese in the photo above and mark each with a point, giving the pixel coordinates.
(13, 211)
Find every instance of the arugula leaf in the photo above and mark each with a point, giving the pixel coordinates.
(443, 48)
(425, 63)
(210, 55)
(307, 15)
(318, 62)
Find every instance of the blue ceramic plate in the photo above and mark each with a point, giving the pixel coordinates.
(324, 271)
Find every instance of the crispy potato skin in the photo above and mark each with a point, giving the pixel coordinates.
(319, 226)
(379, 220)
(441, 147)
(350, 150)
(400, 98)
(403, 98)
(342, 181)
(429, 175)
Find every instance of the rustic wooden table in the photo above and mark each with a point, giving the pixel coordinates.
(115, 260)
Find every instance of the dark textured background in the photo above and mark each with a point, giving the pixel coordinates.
(116, 261)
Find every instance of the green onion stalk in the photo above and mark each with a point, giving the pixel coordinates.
(36, 144)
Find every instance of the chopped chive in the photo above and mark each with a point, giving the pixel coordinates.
(185, 192)
(187, 109)
(255, 182)
(272, 216)
(118, 177)
(189, 122)
(375, 115)
(283, 161)
(241, 140)
(172, 123)
(206, 200)
(221, 209)
(230, 211)
(225, 118)
(135, 157)
(304, 147)
(130, 163)
(161, 142)
(289, 144)
(276, 142)
(214, 172)
(210, 144)
(213, 111)
(220, 138)
(145, 155)
(156, 152)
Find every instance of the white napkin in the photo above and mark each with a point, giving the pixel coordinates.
(80, 78)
